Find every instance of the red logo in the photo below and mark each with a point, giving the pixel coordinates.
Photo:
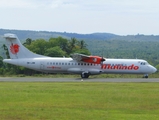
(14, 48)
(54, 67)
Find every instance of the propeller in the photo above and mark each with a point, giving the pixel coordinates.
(103, 59)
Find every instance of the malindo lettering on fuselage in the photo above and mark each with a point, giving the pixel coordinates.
(119, 67)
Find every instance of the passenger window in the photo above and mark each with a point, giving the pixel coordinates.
(65, 63)
(78, 63)
(68, 63)
(56, 63)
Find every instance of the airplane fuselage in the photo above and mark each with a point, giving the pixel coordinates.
(68, 65)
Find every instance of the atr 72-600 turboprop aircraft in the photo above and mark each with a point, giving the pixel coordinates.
(78, 63)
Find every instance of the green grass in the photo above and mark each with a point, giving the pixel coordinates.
(79, 100)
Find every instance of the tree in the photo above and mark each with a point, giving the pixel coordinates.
(28, 41)
(1, 61)
(82, 44)
(61, 42)
(55, 52)
(38, 46)
(6, 50)
(72, 43)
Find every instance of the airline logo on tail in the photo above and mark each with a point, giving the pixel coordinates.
(14, 48)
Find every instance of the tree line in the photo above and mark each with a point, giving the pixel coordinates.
(57, 47)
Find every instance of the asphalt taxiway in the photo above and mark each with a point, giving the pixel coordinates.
(36, 79)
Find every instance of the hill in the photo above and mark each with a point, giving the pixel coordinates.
(24, 34)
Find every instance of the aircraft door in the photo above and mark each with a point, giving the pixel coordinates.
(42, 65)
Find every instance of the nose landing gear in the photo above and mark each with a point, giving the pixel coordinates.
(146, 76)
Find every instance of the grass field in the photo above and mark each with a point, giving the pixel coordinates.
(79, 100)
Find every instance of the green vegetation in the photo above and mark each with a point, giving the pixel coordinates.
(127, 49)
(80, 100)
(56, 47)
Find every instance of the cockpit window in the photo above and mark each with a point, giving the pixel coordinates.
(143, 63)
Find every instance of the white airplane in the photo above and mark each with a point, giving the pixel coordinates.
(77, 64)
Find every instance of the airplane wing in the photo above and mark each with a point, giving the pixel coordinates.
(88, 59)
(79, 57)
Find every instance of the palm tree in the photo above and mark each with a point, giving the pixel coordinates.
(28, 41)
(82, 44)
(72, 43)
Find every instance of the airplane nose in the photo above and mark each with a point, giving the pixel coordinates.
(154, 69)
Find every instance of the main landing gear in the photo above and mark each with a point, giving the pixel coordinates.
(145, 76)
(84, 75)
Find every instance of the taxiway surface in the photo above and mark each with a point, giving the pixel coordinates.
(36, 79)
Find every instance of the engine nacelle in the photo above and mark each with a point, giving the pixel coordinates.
(94, 59)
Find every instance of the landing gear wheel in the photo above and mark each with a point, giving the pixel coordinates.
(84, 75)
(145, 76)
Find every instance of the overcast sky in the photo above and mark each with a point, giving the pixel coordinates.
(120, 17)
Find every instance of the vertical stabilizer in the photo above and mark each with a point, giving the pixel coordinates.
(16, 49)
